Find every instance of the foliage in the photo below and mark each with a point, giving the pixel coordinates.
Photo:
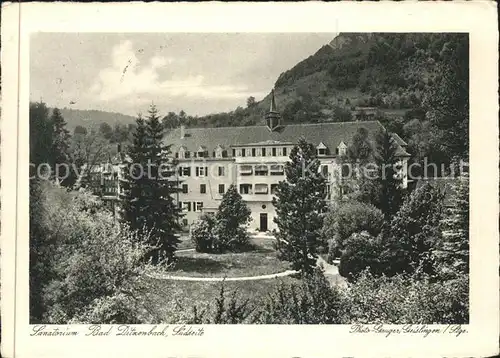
(361, 251)
(312, 301)
(406, 300)
(447, 101)
(299, 203)
(202, 233)
(369, 300)
(49, 138)
(148, 200)
(347, 218)
(82, 261)
(232, 217)
(452, 253)
(226, 311)
(414, 232)
(388, 181)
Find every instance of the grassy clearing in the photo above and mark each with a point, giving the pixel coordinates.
(171, 301)
(261, 260)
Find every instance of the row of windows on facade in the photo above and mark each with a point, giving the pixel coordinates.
(321, 150)
(243, 188)
(243, 152)
(243, 170)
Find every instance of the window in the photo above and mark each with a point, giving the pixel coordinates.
(177, 154)
(327, 192)
(324, 171)
(246, 170)
(201, 171)
(224, 154)
(274, 187)
(253, 152)
(234, 152)
(203, 188)
(243, 152)
(187, 205)
(263, 152)
(187, 154)
(221, 171)
(322, 151)
(245, 188)
(180, 204)
(261, 170)
(185, 171)
(184, 222)
(274, 152)
(261, 189)
(213, 154)
(199, 206)
(185, 188)
(277, 169)
(222, 188)
(284, 151)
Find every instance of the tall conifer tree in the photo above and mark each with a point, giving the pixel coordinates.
(163, 213)
(148, 191)
(299, 203)
(388, 181)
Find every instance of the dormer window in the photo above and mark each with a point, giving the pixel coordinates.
(182, 153)
(342, 149)
(321, 149)
(202, 152)
(219, 152)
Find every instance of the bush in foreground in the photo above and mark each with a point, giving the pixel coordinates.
(348, 218)
(406, 299)
(395, 300)
(94, 262)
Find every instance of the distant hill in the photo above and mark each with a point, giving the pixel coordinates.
(87, 118)
(388, 72)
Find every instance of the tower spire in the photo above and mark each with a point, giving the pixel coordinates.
(273, 103)
(273, 117)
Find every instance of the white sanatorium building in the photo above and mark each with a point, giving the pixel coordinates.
(252, 158)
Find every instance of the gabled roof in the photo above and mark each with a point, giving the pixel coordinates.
(398, 139)
(330, 133)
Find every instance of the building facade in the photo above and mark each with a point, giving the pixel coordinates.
(253, 159)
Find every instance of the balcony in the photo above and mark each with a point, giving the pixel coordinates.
(277, 170)
(246, 170)
(261, 189)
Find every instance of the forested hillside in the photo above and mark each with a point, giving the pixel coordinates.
(416, 84)
(86, 118)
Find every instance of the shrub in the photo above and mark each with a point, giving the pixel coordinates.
(415, 231)
(406, 300)
(225, 311)
(231, 220)
(202, 233)
(312, 301)
(94, 263)
(348, 218)
(361, 251)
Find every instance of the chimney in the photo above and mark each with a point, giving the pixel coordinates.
(183, 131)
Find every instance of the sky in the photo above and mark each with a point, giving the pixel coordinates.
(199, 73)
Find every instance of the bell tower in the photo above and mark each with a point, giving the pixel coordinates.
(273, 117)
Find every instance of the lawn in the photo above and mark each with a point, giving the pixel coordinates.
(172, 301)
